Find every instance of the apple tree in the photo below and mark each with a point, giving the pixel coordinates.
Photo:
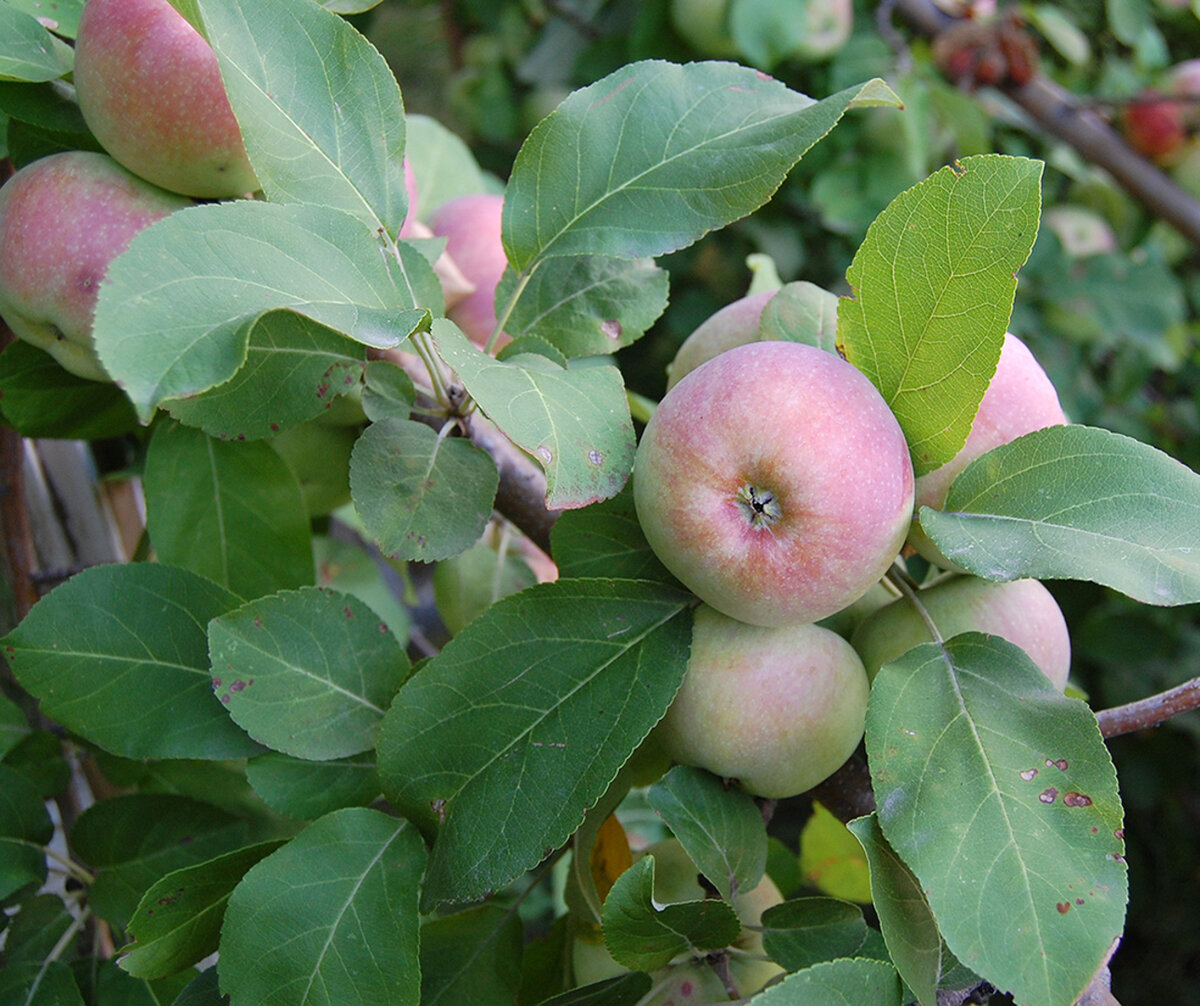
(404, 695)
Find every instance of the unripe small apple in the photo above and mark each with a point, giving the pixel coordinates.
(63, 219)
(1022, 611)
(777, 709)
(775, 483)
(150, 90)
(471, 226)
(1019, 400)
(704, 25)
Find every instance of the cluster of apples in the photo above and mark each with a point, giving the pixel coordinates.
(775, 483)
(150, 90)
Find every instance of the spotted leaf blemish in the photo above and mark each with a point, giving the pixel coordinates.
(1048, 795)
(1077, 800)
(1029, 773)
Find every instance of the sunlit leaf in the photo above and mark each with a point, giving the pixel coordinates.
(837, 983)
(932, 290)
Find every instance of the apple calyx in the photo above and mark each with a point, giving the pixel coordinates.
(760, 506)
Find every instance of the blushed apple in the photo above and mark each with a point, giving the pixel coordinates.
(1022, 611)
(150, 90)
(775, 483)
(471, 226)
(1020, 399)
(777, 709)
(63, 219)
(733, 325)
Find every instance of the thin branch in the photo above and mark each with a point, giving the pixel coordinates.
(1151, 711)
(1062, 115)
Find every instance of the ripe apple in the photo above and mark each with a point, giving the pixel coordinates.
(775, 483)
(63, 218)
(1153, 124)
(1022, 611)
(1019, 400)
(779, 709)
(692, 981)
(471, 226)
(150, 90)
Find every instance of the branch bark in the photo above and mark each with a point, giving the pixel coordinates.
(1151, 711)
(1057, 112)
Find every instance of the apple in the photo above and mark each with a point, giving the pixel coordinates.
(471, 226)
(1153, 124)
(691, 981)
(1022, 611)
(704, 25)
(63, 218)
(1020, 399)
(733, 325)
(775, 483)
(779, 709)
(150, 90)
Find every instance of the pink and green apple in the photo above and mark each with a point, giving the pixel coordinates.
(150, 90)
(775, 483)
(1022, 611)
(63, 219)
(471, 226)
(777, 709)
(1019, 400)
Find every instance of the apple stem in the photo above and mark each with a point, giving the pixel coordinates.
(421, 343)
(898, 578)
(1150, 711)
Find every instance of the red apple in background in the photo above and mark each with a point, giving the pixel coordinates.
(777, 709)
(471, 226)
(1153, 124)
(775, 483)
(1022, 611)
(150, 90)
(1019, 400)
(62, 220)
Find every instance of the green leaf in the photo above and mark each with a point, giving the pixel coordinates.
(806, 931)
(605, 539)
(388, 393)
(466, 585)
(473, 956)
(41, 399)
(355, 568)
(27, 50)
(44, 984)
(586, 305)
(848, 982)
(174, 313)
(421, 496)
(625, 990)
(519, 724)
(655, 155)
(999, 794)
(574, 422)
(119, 655)
(642, 937)
(831, 859)
(178, 920)
(801, 312)
(307, 790)
(905, 919)
(721, 828)
(202, 990)
(134, 840)
(932, 290)
(14, 727)
(330, 918)
(319, 109)
(1079, 503)
(60, 16)
(34, 931)
(104, 982)
(306, 672)
(294, 371)
(442, 165)
(232, 512)
(25, 829)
